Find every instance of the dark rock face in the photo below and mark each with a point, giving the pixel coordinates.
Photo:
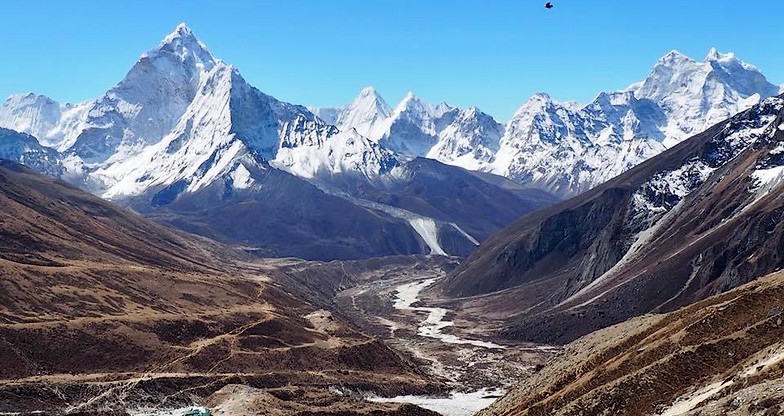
(284, 216)
(692, 222)
(465, 198)
(25, 149)
(478, 203)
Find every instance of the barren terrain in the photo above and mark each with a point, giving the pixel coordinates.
(722, 355)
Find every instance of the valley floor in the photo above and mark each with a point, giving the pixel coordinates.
(468, 357)
(451, 367)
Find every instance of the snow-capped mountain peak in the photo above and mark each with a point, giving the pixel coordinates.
(412, 104)
(411, 129)
(52, 123)
(674, 57)
(536, 103)
(147, 103)
(30, 113)
(442, 108)
(31, 99)
(179, 92)
(696, 95)
(465, 138)
(181, 31)
(461, 137)
(370, 94)
(229, 120)
(311, 149)
(728, 59)
(566, 149)
(715, 55)
(675, 70)
(367, 114)
(410, 101)
(370, 102)
(183, 42)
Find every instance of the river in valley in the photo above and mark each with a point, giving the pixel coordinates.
(458, 403)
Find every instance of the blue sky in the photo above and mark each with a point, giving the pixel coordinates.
(492, 54)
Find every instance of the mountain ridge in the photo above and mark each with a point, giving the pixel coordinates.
(681, 96)
(689, 361)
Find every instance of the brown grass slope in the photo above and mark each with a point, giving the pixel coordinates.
(641, 367)
(100, 308)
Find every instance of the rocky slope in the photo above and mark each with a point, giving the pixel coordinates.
(699, 219)
(101, 309)
(276, 214)
(721, 356)
(244, 400)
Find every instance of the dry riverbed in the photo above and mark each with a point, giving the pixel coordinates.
(476, 365)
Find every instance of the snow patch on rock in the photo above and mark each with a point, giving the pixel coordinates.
(427, 229)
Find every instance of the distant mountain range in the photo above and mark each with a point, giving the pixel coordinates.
(566, 148)
(183, 138)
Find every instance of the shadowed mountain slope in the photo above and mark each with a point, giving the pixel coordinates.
(699, 219)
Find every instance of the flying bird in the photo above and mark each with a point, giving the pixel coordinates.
(548, 5)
